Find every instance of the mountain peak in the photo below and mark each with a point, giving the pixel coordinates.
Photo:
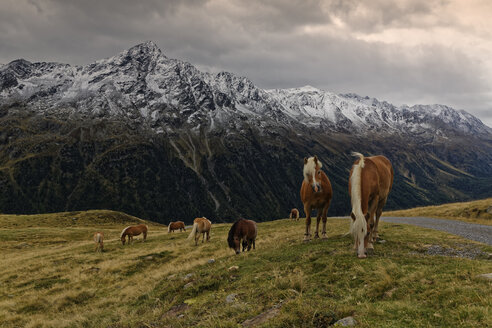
(148, 46)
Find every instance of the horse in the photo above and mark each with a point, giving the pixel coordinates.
(294, 214)
(370, 182)
(98, 239)
(175, 226)
(316, 193)
(200, 225)
(131, 231)
(244, 230)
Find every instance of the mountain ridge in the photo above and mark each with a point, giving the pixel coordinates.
(156, 137)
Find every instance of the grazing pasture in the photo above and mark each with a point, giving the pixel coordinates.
(51, 277)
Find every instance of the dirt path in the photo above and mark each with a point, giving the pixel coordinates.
(472, 231)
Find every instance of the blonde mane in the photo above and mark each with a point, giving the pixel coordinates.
(123, 231)
(310, 168)
(358, 227)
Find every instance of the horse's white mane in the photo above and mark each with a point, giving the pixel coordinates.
(310, 167)
(123, 231)
(358, 228)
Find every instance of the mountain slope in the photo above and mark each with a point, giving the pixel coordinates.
(159, 139)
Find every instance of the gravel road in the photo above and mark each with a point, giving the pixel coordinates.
(472, 231)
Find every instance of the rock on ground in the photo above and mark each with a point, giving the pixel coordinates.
(346, 322)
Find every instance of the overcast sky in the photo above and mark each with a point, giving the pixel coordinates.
(406, 52)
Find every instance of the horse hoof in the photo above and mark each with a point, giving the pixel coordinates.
(324, 237)
(307, 239)
(363, 256)
(316, 236)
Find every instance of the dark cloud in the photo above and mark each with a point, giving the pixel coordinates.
(276, 43)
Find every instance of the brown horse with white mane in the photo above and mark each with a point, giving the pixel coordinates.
(98, 239)
(294, 214)
(175, 226)
(132, 231)
(371, 179)
(244, 230)
(316, 194)
(200, 226)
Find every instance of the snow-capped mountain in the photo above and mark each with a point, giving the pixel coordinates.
(144, 85)
(157, 138)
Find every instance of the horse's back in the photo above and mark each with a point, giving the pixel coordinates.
(385, 173)
(203, 224)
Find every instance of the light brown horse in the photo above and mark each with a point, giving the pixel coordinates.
(200, 226)
(132, 231)
(371, 179)
(316, 194)
(294, 214)
(244, 230)
(175, 226)
(98, 239)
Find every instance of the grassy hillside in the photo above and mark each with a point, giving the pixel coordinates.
(478, 211)
(51, 277)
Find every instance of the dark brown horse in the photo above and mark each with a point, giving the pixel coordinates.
(132, 231)
(316, 194)
(175, 226)
(244, 230)
(294, 214)
(371, 179)
(200, 226)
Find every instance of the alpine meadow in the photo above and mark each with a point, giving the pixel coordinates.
(210, 163)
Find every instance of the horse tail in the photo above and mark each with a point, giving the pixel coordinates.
(359, 224)
(123, 231)
(193, 231)
(169, 227)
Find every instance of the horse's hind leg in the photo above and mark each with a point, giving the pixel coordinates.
(324, 217)
(318, 219)
(254, 240)
(379, 211)
(307, 235)
(145, 236)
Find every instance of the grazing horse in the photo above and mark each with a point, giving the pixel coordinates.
(294, 214)
(316, 194)
(133, 231)
(175, 226)
(371, 179)
(98, 239)
(200, 226)
(244, 230)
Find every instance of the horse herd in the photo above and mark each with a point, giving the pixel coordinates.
(370, 182)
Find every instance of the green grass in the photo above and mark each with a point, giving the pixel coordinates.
(55, 284)
(475, 211)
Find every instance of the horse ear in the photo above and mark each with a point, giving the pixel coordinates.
(305, 160)
(315, 159)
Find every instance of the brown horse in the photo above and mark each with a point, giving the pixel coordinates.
(371, 179)
(132, 231)
(175, 226)
(316, 194)
(244, 230)
(200, 226)
(98, 239)
(294, 214)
